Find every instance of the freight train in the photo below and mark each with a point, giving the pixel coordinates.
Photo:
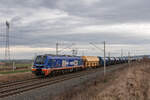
(46, 65)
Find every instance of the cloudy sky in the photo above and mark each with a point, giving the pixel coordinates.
(36, 26)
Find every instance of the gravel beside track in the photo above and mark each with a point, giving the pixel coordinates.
(49, 87)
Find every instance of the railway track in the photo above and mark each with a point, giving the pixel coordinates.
(22, 86)
(12, 83)
(15, 81)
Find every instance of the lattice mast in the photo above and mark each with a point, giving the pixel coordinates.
(7, 47)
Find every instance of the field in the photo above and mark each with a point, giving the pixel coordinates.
(131, 83)
(18, 67)
(15, 75)
(16, 71)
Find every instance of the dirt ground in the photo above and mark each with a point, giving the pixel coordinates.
(130, 83)
(14, 77)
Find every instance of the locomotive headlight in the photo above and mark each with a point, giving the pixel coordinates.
(33, 66)
(33, 69)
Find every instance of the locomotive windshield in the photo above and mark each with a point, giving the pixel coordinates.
(40, 59)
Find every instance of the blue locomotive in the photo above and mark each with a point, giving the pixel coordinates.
(47, 64)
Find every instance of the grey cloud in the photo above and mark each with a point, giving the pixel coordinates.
(50, 40)
(102, 12)
(106, 11)
(45, 32)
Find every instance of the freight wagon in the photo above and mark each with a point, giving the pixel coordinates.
(90, 61)
(101, 61)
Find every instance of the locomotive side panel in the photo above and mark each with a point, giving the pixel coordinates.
(56, 63)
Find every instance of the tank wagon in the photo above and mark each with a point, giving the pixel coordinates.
(117, 60)
(112, 60)
(47, 64)
(101, 61)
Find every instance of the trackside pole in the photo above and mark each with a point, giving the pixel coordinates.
(104, 50)
(109, 54)
(32, 63)
(104, 60)
(129, 58)
(57, 48)
(14, 66)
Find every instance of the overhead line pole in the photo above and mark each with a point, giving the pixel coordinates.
(104, 58)
(121, 53)
(129, 58)
(109, 54)
(7, 48)
(68, 47)
(57, 48)
(104, 50)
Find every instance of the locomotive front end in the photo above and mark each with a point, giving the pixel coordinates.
(39, 67)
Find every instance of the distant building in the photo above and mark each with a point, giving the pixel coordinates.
(1, 63)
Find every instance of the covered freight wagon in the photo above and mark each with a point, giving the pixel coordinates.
(90, 61)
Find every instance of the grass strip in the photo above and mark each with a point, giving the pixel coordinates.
(16, 71)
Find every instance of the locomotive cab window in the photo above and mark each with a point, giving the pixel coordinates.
(40, 59)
